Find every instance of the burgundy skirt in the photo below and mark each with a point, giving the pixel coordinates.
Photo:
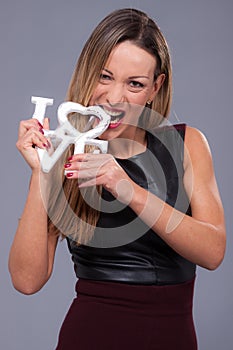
(118, 316)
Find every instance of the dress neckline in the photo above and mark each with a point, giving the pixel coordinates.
(137, 155)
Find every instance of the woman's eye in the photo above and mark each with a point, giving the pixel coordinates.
(136, 84)
(104, 77)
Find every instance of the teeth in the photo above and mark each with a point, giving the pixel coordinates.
(116, 116)
(113, 114)
(115, 121)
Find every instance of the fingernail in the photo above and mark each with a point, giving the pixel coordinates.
(40, 124)
(67, 165)
(70, 158)
(44, 144)
(42, 131)
(69, 174)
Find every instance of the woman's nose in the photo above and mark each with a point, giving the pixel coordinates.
(116, 94)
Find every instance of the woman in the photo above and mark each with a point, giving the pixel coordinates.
(136, 248)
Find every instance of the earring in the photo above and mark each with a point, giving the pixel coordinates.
(148, 102)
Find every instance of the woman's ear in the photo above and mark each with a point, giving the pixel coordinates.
(157, 85)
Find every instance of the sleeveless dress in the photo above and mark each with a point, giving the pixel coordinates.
(133, 290)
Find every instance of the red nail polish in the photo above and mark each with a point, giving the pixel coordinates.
(42, 131)
(44, 144)
(69, 174)
(70, 158)
(67, 165)
(40, 124)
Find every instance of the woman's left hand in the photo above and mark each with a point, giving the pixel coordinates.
(101, 169)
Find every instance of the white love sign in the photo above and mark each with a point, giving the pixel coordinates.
(66, 134)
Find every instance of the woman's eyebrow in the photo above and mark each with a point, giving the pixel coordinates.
(108, 71)
(139, 76)
(132, 77)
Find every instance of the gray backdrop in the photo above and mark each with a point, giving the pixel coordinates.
(40, 41)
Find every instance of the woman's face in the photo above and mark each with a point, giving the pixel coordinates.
(125, 85)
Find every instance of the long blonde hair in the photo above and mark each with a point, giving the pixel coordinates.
(121, 25)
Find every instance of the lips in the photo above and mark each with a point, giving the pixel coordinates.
(116, 115)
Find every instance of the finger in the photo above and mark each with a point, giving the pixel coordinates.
(85, 157)
(87, 181)
(46, 123)
(36, 138)
(86, 161)
(30, 143)
(77, 170)
(26, 125)
(85, 170)
(77, 158)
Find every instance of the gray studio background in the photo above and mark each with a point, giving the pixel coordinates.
(40, 41)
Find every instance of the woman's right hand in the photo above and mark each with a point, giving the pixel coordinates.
(30, 136)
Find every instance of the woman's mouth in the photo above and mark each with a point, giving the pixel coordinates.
(116, 117)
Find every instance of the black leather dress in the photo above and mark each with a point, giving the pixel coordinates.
(123, 248)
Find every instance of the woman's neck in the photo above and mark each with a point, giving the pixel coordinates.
(124, 148)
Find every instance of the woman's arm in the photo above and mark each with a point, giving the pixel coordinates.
(32, 252)
(200, 238)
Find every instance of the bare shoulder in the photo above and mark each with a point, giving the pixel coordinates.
(196, 147)
(195, 137)
(199, 179)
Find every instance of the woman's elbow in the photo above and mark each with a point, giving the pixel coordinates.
(214, 263)
(26, 287)
(217, 254)
(26, 290)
